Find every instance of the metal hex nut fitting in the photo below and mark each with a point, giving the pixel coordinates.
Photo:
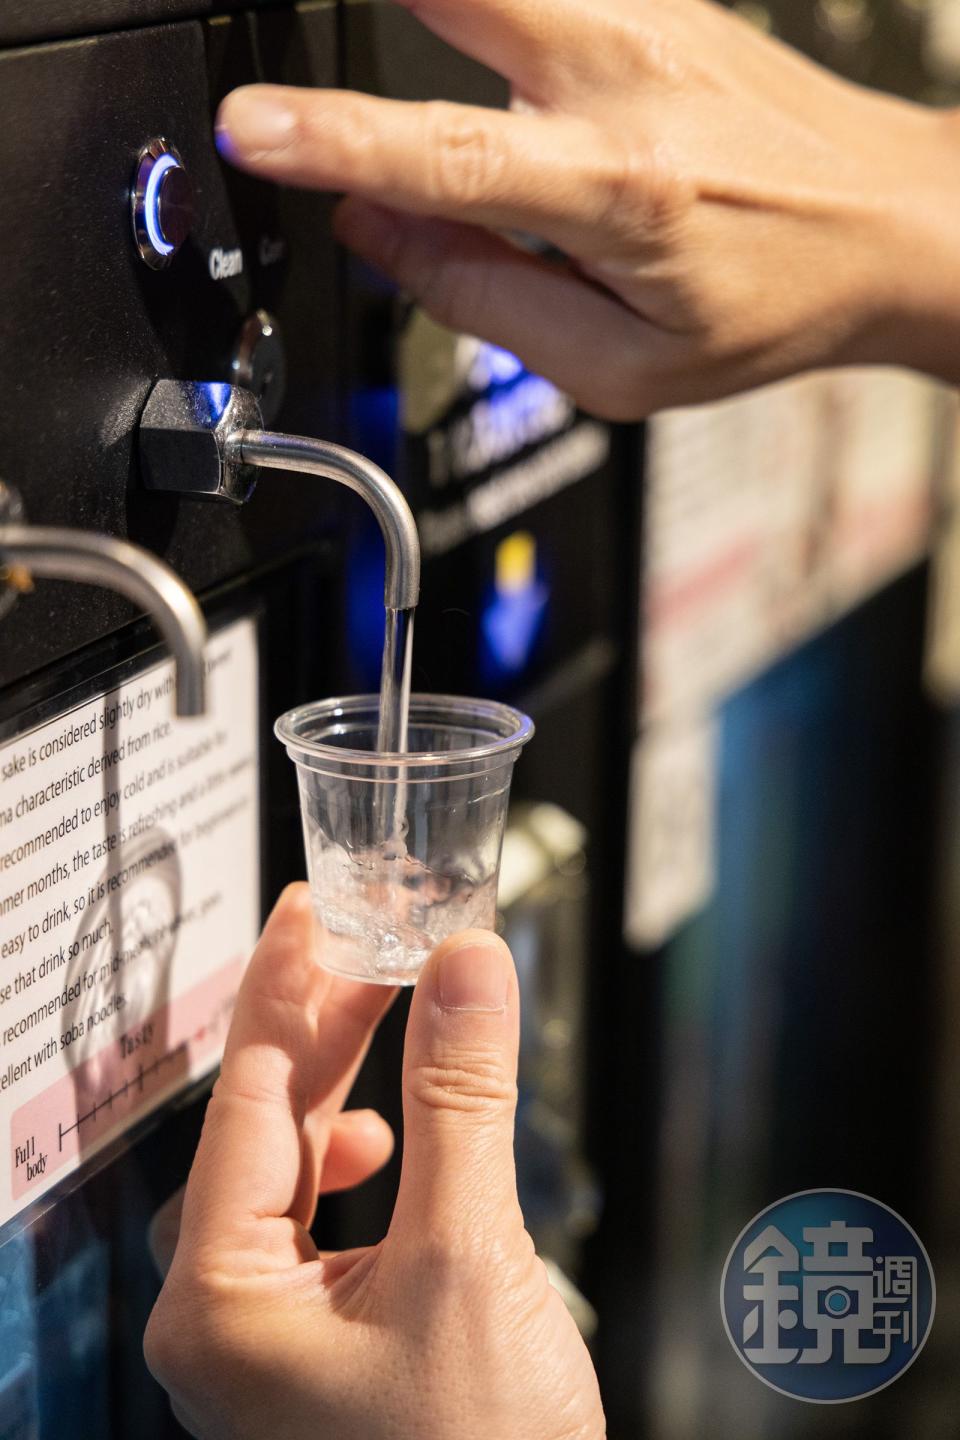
(183, 439)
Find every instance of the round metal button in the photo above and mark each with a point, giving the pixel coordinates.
(259, 362)
(162, 203)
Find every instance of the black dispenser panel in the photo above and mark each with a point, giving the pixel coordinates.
(87, 326)
(26, 20)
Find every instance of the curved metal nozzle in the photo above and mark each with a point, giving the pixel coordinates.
(335, 462)
(59, 554)
(204, 439)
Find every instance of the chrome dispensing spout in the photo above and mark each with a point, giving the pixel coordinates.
(205, 439)
(401, 588)
(60, 554)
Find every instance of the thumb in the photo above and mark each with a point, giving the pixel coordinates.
(459, 1094)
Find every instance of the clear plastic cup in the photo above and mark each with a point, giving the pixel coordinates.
(402, 850)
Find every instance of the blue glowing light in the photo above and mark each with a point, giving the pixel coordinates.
(493, 366)
(502, 365)
(507, 420)
(151, 205)
(510, 625)
(514, 611)
(214, 396)
(374, 423)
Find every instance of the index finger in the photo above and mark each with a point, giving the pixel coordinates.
(555, 176)
(296, 1041)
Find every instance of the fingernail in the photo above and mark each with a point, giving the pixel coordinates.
(475, 977)
(253, 121)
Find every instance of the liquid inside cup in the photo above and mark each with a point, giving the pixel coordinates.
(383, 914)
(402, 851)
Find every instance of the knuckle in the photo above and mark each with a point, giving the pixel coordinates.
(473, 1083)
(640, 192)
(467, 154)
(353, 137)
(652, 46)
(228, 1092)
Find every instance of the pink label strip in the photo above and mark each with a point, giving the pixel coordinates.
(121, 1083)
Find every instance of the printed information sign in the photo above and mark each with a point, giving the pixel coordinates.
(129, 904)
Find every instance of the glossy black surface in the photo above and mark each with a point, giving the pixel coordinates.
(85, 327)
(22, 21)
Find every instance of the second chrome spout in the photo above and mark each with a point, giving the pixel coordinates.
(60, 554)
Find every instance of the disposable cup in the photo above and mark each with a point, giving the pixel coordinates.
(402, 850)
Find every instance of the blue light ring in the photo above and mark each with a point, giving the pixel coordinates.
(148, 241)
(151, 203)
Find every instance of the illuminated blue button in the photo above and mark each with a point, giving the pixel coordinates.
(151, 205)
(162, 203)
